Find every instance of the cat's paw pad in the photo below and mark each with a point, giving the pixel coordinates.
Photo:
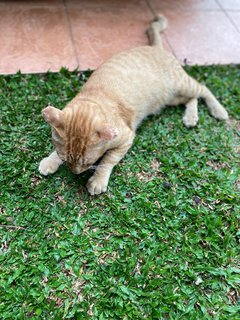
(47, 166)
(97, 185)
(190, 122)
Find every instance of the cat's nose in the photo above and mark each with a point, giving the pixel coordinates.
(76, 170)
(79, 169)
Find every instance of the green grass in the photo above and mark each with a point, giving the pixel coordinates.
(162, 243)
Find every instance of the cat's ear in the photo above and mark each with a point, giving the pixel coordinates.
(54, 117)
(107, 132)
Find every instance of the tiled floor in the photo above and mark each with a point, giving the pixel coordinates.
(41, 35)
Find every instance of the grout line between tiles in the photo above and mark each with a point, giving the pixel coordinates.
(227, 15)
(150, 7)
(70, 32)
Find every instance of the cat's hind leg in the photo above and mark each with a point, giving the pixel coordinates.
(190, 118)
(50, 164)
(192, 89)
(214, 107)
(158, 25)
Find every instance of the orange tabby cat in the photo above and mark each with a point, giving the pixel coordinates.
(102, 119)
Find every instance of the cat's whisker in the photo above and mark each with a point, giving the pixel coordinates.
(103, 165)
(98, 166)
(93, 167)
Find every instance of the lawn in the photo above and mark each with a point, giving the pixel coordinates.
(162, 243)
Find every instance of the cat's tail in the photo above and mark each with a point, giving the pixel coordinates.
(158, 25)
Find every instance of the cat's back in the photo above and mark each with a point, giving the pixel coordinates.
(143, 77)
(136, 61)
(132, 70)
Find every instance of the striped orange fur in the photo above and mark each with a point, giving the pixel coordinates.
(100, 122)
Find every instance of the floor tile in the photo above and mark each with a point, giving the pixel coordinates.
(183, 5)
(29, 3)
(35, 40)
(235, 17)
(230, 4)
(101, 32)
(118, 4)
(43, 35)
(206, 37)
(98, 35)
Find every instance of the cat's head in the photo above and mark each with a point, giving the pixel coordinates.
(80, 136)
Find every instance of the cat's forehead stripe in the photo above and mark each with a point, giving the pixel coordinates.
(78, 130)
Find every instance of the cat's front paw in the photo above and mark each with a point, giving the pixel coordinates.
(47, 166)
(97, 185)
